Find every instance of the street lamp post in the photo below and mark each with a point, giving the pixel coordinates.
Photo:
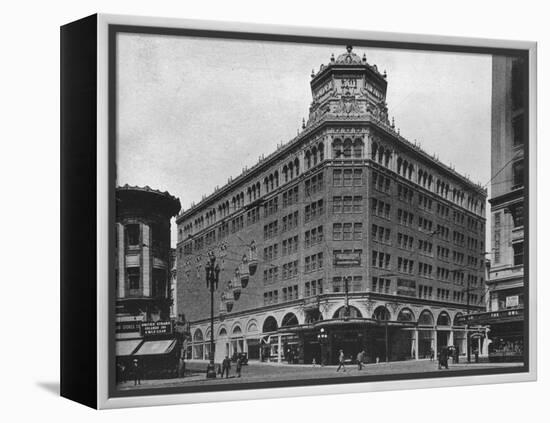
(212, 278)
(322, 338)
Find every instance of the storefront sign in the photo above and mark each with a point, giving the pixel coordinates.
(347, 259)
(156, 328)
(128, 326)
(512, 301)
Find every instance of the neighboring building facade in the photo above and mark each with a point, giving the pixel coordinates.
(506, 281)
(347, 237)
(143, 262)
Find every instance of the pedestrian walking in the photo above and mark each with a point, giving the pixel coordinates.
(226, 365)
(239, 366)
(341, 359)
(360, 358)
(443, 358)
(432, 354)
(136, 370)
(314, 362)
(181, 367)
(457, 354)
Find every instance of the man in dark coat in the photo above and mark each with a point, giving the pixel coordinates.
(226, 365)
(443, 358)
(136, 370)
(239, 365)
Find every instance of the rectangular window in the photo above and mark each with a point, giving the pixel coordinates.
(517, 174)
(518, 253)
(357, 231)
(357, 177)
(348, 177)
(132, 234)
(133, 277)
(337, 177)
(337, 204)
(357, 204)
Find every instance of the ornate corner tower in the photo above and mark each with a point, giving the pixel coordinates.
(348, 87)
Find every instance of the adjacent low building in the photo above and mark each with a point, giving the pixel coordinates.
(347, 237)
(144, 329)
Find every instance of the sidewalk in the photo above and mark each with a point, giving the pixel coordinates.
(266, 372)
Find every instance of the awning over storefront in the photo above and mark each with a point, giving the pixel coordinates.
(156, 347)
(127, 346)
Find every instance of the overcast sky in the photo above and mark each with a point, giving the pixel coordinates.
(194, 111)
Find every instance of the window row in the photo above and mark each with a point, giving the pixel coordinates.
(347, 177)
(347, 231)
(347, 204)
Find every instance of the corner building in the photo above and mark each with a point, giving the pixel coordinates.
(287, 234)
(143, 328)
(506, 285)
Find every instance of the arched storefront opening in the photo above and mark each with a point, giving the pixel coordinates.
(426, 318)
(290, 319)
(405, 315)
(237, 341)
(456, 320)
(426, 334)
(443, 319)
(198, 345)
(381, 313)
(270, 325)
(347, 312)
(443, 335)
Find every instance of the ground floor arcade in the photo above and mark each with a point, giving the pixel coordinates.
(385, 331)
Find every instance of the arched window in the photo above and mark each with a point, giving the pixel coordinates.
(399, 165)
(374, 151)
(276, 178)
(297, 166)
(456, 320)
(381, 155)
(347, 312)
(290, 319)
(266, 184)
(358, 148)
(271, 182)
(270, 325)
(347, 148)
(308, 159)
(197, 336)
(291, 170)
(405, 315)
(387, 158)
(337, 149)
(381, 313)
(285, 173)
(426, 318)
(443, 319)
(411, 169)
(314, 155)
(321, 149)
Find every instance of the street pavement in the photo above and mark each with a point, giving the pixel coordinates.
(270, 372)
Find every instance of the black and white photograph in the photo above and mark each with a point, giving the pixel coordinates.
(293, 213)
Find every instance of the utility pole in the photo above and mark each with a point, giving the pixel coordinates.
(212, 278)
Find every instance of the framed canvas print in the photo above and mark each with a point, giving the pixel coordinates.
(255, 211)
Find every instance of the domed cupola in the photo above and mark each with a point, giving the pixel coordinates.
(348, 87)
